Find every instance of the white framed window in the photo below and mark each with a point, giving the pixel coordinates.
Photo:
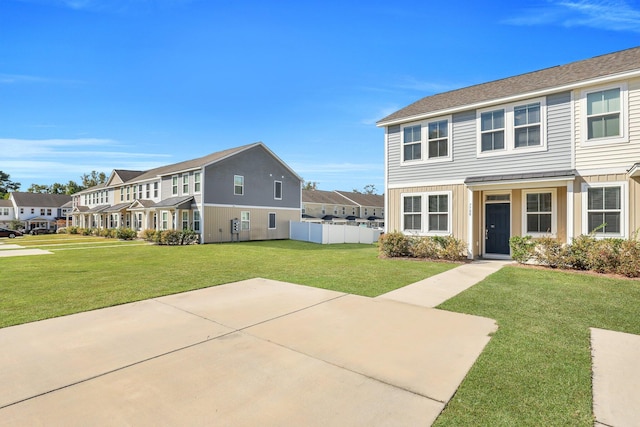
(185, 220)
(427, 213)
(139, 191)
(539, 217)
(155, 190)
(174, 185)
(245, 220)
(604, 114)
(148, 191)
(196, 221)
(604, 207)
(412, 143)
(272, 220)
(196, 182)
(185, 183)
(22, 210)
(165, 220)
(412, 213)
(277, 190)
(438, 140)
(238, 185)
(512, 128)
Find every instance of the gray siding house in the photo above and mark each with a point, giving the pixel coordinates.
(554, 153)
(249, 184)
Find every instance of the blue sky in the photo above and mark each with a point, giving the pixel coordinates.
(134, 84)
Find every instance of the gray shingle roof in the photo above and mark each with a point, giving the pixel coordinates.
(363, 199)
(40, 200)
(325, 197)
(6, 203)
(175, 202)
(562, 75)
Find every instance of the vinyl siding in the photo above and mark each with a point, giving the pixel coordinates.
(465, 160)
(610, 155)
(217, 223)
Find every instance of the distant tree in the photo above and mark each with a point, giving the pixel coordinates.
(57, 188)
(368, 189)
(309, 185)
(6, 185)
(92, 179)
(36, 188)
(72, 187)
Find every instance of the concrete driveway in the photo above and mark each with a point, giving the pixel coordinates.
(257, 352)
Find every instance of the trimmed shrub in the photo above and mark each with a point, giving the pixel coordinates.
(149, 235)
(578, 251)
(451, 249)
(86, 231)
(604, 256)
(522, 248)
(424, 248)
(73, 230)
(171, 237)
(189, 237)
(126, 233)
(394, 244)
(550, 252)
(629, 258)
(61, 230)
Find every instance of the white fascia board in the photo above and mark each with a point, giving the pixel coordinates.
(513, 98)
(519, 184)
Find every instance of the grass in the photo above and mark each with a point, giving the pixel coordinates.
(536, 370)
(109, 272)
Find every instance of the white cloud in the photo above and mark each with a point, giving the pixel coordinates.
(614, 15)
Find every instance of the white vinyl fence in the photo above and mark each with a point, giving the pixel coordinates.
(331, 233)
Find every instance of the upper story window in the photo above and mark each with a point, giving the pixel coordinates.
(277, 190)
(174, 185)
(515, 127)
(196, 182)
(438, 139)
(603, 113)
(238, 185)
(412, 143)
(526, 125)
(185, 183)
(140, 191)
(128, 193)
(147, 191)
(492, 130)
(155, 190)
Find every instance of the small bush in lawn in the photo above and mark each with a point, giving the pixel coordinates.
(189, 237)
(551, 252)
(149, 235)
(451, 249)
(394, 244)
(61, 230)
(629, 258)
(424, 247)
(604, 255)
(126, 233)
(73, 230)
(86, 231)
(578, 251)
(171, 237)
(522, 248)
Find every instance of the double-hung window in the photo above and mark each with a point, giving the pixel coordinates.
(185, 220)
(185, 183)
(238, 185)
(438, 213)
(245, 220)
(412, 213)
(174, 185)
(412, 143)
(605, 209)
(438, 139)
(272, 220)
(196, 221)
(196, 182)
(526, 124)
(539, 212)
(492, 130)
(603, 114)
(155, 190)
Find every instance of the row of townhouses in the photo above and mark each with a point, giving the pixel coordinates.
(35, 210)
(342, 207)
(554, 152)
(244, 193)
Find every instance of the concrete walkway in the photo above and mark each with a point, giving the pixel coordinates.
(616, 375)
(257, 352)
(435, 290)
(11, 249)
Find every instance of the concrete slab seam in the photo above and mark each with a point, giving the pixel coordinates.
(102, 374)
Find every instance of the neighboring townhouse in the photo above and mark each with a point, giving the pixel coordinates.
(554, 152)
(248, 186)
(342, 206)
(36, 210)
(6, 212)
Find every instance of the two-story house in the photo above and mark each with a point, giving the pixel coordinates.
(6, 212)
(39, 210)
(247, 184)
(554, 152)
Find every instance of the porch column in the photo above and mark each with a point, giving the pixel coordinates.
(570, 208)
(470, 223)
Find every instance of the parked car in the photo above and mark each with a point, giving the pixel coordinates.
(5, 232)
(41, 230)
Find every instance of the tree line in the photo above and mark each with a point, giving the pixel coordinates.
(87, 180)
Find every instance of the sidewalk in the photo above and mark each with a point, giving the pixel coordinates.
(434, 290)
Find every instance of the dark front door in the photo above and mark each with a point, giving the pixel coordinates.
(497, 228)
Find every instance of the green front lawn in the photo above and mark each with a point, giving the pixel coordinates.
(86, 273)
(536, 370)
